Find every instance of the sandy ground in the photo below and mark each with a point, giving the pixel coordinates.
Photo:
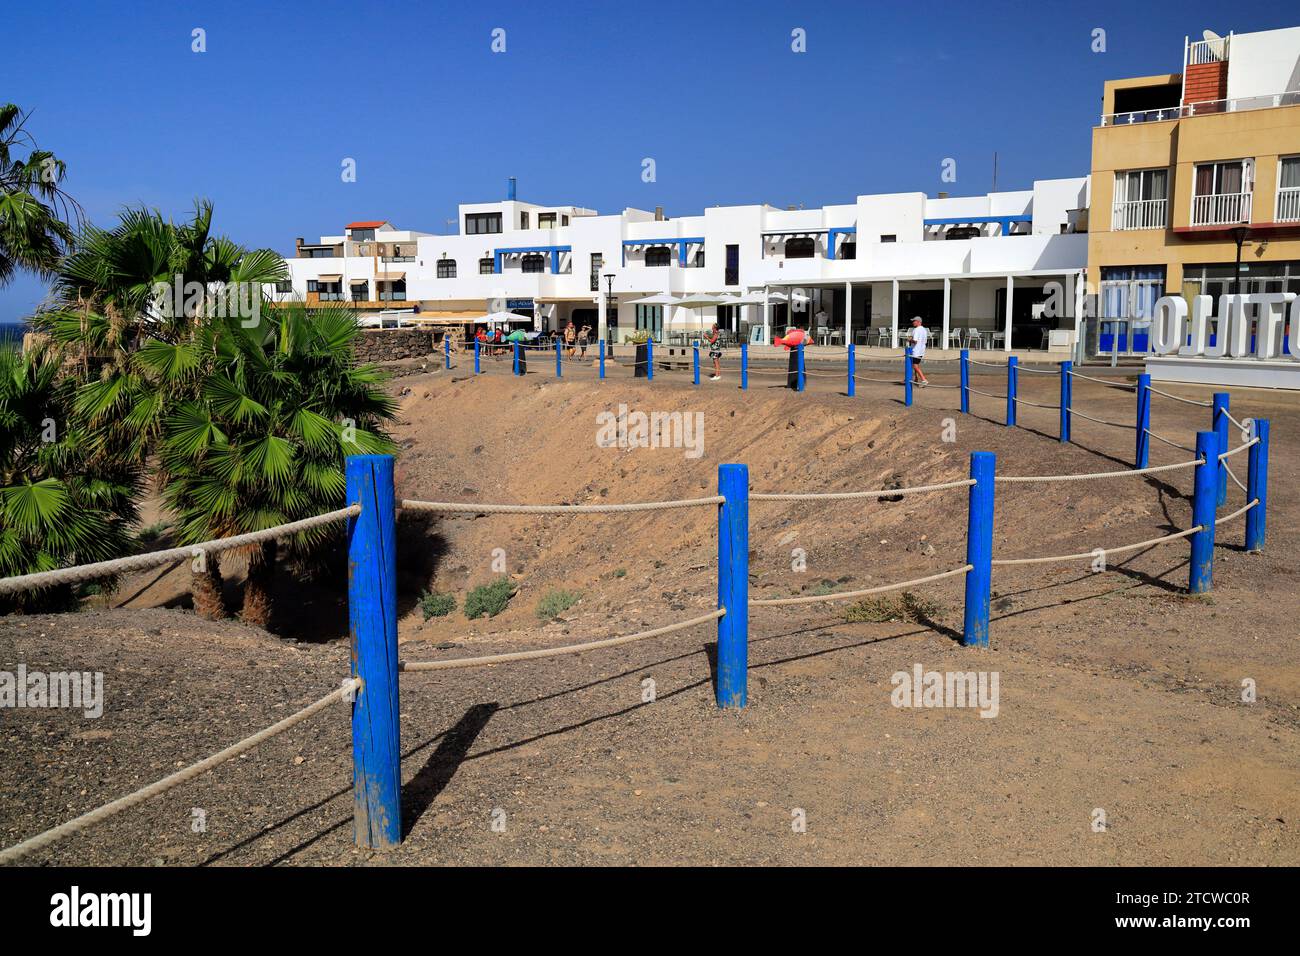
(1118, 692)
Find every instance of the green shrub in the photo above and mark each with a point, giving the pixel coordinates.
(621, 573)
(434, 604)
(554, 603)
(150, 535)
(489, 600)
(907, 607)
(823, 588)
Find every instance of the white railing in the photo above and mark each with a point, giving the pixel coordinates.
(1220, 209)
(1288, 204)
(1208, 51)
(1241, 104)
(1141, 214)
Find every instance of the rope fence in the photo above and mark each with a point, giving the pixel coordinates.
(848, 595)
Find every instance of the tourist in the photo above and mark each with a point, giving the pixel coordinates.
(713, 339)
(570, 339)
(584, 337)
(917, 337)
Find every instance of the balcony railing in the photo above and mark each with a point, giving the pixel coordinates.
(1141, 214)
(1288, 204)
(397, 258)
(1208, 51)
(1220, 209)
(392, 297)
(1241, 104)
(330, 296)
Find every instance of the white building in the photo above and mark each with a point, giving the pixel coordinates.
(973, 268)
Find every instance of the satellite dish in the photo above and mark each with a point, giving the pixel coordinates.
(1211, 35)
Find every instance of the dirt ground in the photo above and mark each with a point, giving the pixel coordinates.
(1119, 692)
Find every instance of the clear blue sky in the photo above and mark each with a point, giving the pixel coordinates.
(712, 92)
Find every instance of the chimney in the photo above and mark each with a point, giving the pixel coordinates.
(659, 213)
(510, 189)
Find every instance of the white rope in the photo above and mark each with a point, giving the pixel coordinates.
(1099, 421)
(846, 495)
(1241, 447)
(469, 507)
(844, 595)
(1227, 414)
(1179, 398)
(986, 394)
(1083, 476)
(987, 364)
(152, 559)
(1100, 552)
(1038, 371)
(1021, 401)
(1168, 441)
(178, 778)
(1233, 476)
(556, 651)
(1102, 381)
(1236, 514)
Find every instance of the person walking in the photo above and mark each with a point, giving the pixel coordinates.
(713, 339)
(570, 339)
(584, 337)
(918, 337)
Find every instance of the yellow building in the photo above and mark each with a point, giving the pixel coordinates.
(1189, 168)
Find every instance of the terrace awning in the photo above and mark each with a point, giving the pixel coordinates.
(390, 276)
(336, 278)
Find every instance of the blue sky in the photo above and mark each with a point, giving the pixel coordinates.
(261, 122)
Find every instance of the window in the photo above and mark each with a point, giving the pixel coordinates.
(849, 249)
(284, 285)
(313, 285)
(802, 247)
(698, 262)
(733, 265)
(360, 291)
(396, 291)
(959, 232)
(651, 319)
(482, 223)
(1128, 299)
(1288, 190)
(889, 238)
(523, 220)
(326, 252)
(446, 268)
(487, 266)
(546, 220)
(1141, 198)
(564, 220)
(362, 235)
(658, 256)
(1221, 192)
(534, 262)
(597, 263)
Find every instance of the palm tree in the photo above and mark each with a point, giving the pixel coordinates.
(34, 209)
(264, 440)
(58, 505)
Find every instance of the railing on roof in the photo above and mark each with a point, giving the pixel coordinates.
(1240, 104)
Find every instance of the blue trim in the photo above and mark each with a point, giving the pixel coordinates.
(553, 250)
(1005, 221)
(681, 252)
(835, 232)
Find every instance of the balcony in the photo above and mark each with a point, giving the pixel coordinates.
(1288, 204)
(1241, 104)
(392, 297)
(330, 296)
(1221, 209)
(397, 258)
(1141, 214)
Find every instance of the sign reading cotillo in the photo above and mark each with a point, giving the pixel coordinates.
(1245, 326)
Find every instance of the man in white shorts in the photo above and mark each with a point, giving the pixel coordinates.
(917, 338)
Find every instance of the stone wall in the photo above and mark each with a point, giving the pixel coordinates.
(389, 345)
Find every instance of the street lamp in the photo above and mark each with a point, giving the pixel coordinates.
(609, 299)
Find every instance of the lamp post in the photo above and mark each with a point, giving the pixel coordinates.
(609, 299)
(1239, 234)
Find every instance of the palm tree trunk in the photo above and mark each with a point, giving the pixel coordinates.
(257, 589)
(206, 590)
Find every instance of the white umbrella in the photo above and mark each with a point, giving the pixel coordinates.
(502, 318)
(701, 300)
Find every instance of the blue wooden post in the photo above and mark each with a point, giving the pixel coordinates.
(979, 550)
(695, 358)
(1012, 381)
(1219, 422)
(372, 622)
(1067, 397)
(744, 365)
(965, 382)
(733, 586)
(516, 351)
(446, 349)
(559, 359)
(649, 359)
(853, 369)
(477, 368)
(1142, 455)
(802, 379)
(1201, 576)
(907, 375)
(1257, 488)
(601, 343)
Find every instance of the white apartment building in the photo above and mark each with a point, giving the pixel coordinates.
(975, 269)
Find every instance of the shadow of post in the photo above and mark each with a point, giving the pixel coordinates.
(422, 789)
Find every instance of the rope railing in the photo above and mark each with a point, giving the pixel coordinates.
(1240, 448)
(1233, 475)
(153, 559)
(1169, 441)
(470, 507)
(1179, 398)
(1099, 421)
(1083, 476)
(1101, 381)
(1238, 513)
(1078, 556)
(1022, 401)
(847, 595)
(172, 781)
(985, 394)
(850, 495)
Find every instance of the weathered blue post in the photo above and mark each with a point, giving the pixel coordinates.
(1142, 454)
(1219, 422)
(744, 365)
(559, 360)
(1067, 397)
(965, 382)
(907, 375)
(695, 360)
(979, 550)
(446, 350)
(601, 343)
(516, 351)
(733, 586)
(1013, 376)
(853, 369)
(372, 622)
(1201, 575)
(1257, 487)
(802, 375)
(649, 360)
(477, 369)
